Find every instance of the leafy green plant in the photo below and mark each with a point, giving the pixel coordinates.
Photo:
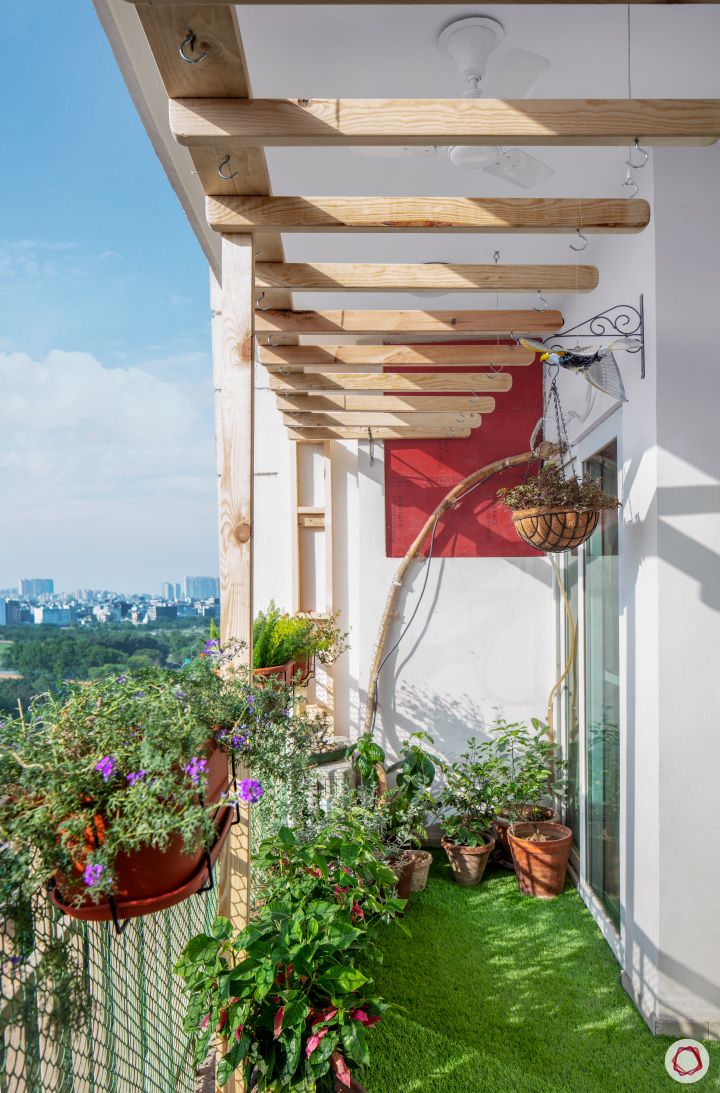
(367, 756)
(404, 808)
(279, 638)
(532, 770)
(550, 488)
(468, 800)
(286, 996)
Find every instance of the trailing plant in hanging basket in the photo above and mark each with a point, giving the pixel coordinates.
(554, 513)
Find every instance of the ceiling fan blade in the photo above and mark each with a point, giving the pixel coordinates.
(605, 375)
(517, 76)
(515, 166)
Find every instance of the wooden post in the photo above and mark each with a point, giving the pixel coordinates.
(233, 308)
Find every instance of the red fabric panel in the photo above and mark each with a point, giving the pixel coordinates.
(419, 473)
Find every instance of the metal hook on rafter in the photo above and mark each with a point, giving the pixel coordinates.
(189, 40)
(542, 304)
(259, 300)
(222, 173)
(585, 242)
(630, 182)
(643, 152)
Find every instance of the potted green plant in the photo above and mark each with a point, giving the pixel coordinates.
(516, 745)
(554, 513)
(117, 790)
(406, 806)
(286, 997)
(466, 805)
(285, 645)
(540, 848)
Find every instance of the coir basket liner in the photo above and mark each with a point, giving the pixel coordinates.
(555, 529)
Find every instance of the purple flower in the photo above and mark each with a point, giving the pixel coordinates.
(121, 679)
(250, 790)
(92, 874)
(212, 645)
(180, 694)
(135, 776)
(237, 740)
(251, 701)
(195, 769)
(106, 766)
(223, 735)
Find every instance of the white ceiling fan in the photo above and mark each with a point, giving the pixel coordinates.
(469, 41)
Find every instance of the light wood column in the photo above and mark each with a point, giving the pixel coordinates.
(233, 308)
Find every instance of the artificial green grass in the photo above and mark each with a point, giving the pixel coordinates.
(502, 993)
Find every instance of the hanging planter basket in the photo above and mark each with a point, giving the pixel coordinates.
(555, 529)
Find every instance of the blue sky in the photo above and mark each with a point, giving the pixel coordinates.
(106, 457)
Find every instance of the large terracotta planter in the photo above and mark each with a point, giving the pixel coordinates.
(540, 866)
(468, 862)
(149, 879)
(422, 860)
(281, 672)
(555, 529)
(503, 853)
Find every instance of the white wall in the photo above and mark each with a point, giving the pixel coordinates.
(687, 230)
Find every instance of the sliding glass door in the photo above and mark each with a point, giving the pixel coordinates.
(591, 708)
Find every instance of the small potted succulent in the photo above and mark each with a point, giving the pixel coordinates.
(285, 646)
(466, 806)
(289, 998)
(540, 848)
(553, 513)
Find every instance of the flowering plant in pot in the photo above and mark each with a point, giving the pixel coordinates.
(286, 997)
(285, 645)
(554, 513)
(540, 848)
(466, 806)
(114, 789)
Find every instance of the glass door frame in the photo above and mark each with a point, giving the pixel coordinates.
(599, 437)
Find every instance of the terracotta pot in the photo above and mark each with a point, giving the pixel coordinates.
(503, 854)
(468, 862)
(403, 870)
(282, 672)
(540, 866)
(555, 529)
(149, 879)
(422, 860)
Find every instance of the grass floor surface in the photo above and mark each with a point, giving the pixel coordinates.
(501, 993)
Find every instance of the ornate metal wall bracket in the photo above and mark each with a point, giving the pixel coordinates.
(621, 320)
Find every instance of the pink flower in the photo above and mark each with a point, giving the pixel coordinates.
(277, 1025)
(337, 1062)
(314, 1040)
(363, 1018)
(357, 911)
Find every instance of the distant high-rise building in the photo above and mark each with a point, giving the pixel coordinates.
(54, 616)
(167, 590)
(201, 588)
(30, 588)
(157, 611)
(13, 613)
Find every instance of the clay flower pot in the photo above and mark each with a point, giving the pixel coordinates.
(282, 672)
(422, 860)
(149, 879)
(468, 862)
(555, 529)
(540, 864)
(501, 824)
(403, 870)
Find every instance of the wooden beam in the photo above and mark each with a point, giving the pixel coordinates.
(330, 402)
(403, 382)
(488, 323)
(427, 276)
(346, 357)
(232, 305)
(427, 214)
(377, 418)
(241, 123)
(347, 432)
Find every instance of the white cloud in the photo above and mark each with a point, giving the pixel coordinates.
(83, 445)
